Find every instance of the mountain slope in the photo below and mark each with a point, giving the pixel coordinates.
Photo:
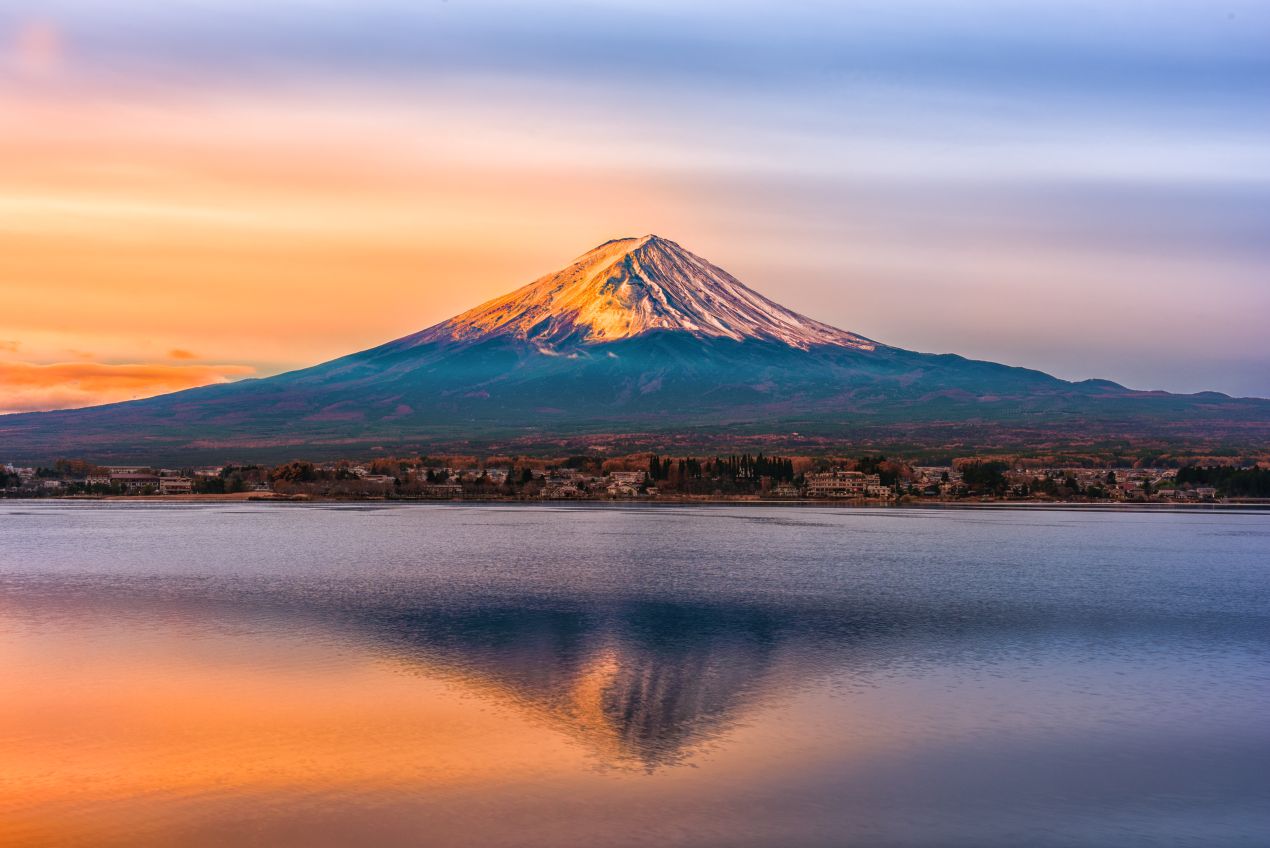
(636, 337)
(629, 286)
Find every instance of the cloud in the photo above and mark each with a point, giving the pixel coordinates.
(37, 48)
(9, 345)
(934, 175)
(181, 353)
(30, 387)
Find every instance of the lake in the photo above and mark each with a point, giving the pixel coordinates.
(465, 674)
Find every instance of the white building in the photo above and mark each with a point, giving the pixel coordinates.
(841, 484)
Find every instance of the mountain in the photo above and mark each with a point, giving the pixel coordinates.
(639, 344)
(628, 287)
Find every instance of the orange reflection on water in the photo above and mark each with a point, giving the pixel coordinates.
(179, 724)
(101, 737)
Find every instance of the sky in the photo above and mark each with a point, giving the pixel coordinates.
(193, 192)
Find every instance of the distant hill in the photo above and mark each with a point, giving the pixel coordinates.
(637, 343)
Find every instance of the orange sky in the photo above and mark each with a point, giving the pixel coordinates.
(263, 192)
(258, 243)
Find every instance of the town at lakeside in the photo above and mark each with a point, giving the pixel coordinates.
(868, 479)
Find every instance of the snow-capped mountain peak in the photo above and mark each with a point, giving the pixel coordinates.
(630, 286)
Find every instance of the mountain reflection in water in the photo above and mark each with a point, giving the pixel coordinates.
(641, 682)
(644, 680)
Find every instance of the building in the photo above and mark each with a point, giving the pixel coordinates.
(877, 490)
(564, 491)
(841, 484)
(623, 490)
(627, 478)
(135, 481)
(935, 474)
(441, 490)
(176, 486)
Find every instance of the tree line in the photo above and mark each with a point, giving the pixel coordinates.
(732, 468)
(1228, 481)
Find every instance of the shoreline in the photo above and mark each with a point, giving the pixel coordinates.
(265, 498)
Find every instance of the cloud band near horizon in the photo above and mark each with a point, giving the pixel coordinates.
(29, 387)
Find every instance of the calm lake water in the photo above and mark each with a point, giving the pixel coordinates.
(237, 674)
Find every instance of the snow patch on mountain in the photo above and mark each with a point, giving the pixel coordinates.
(630, 286)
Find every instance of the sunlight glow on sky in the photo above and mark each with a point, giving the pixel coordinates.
(197, 191)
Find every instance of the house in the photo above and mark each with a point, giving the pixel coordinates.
(563, 491)
(622, 490)
(627, 478)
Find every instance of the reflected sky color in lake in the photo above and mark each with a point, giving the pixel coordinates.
(500, 675)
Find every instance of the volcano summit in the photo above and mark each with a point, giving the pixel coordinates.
(637, 343)
(631, 286)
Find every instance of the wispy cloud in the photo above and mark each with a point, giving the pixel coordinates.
(28, 386)
(37, 48)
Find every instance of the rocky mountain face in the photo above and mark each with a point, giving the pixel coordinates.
(637, 343)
